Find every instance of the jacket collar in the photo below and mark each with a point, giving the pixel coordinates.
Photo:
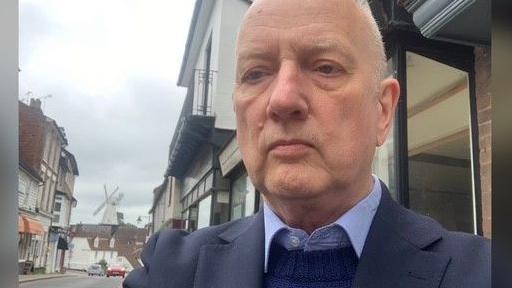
(394, 255)
(238, 261)
(396, 249)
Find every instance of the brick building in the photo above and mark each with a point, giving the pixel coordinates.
(41, 146)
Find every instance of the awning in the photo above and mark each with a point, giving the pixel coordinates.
(62, 244)
(29, 226)
(465, 21)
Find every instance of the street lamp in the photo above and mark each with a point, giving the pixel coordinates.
(139, 219)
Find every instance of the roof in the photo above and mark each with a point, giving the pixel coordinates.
(453, 21)
(60, 130)
(92, 230)
(33, 173)
(157, 193)
(128, 241)
(72, 160)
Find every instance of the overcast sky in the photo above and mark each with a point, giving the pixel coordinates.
(111, 68)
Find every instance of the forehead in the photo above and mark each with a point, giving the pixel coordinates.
(301, 21)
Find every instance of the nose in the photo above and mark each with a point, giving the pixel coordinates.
(287, 101)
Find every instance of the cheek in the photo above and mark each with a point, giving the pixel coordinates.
(348, 126)
(248, 117)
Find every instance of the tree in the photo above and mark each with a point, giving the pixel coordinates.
(103, 264)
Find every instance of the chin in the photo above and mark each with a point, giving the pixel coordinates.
(295, 184)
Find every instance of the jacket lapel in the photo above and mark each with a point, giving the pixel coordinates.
(395, 253)
(238, 261)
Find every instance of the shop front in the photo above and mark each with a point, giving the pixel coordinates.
(436, 158)
(244, 199)
(30, 232)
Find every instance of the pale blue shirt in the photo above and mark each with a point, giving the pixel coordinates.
(350, 229)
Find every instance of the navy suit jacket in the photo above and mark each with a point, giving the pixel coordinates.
(403, 249)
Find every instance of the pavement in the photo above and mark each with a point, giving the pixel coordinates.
(36, 277)
(72, 280)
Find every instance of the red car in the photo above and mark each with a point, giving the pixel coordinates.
(116, 270)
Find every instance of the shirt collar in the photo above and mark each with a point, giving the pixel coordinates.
(356, 221)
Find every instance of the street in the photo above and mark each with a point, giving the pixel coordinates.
(76, 281)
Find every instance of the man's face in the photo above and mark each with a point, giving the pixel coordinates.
(306, 98)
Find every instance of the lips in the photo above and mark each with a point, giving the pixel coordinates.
(289, 148)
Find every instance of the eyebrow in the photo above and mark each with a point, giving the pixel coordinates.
(321, 46)
(312, 47)
(255, 54)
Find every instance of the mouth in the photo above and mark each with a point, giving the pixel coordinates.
(289, 148)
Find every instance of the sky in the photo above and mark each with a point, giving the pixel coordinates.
(111, 68)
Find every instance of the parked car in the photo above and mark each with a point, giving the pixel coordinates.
(95, 269)
(116, 270)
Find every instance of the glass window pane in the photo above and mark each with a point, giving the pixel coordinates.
(203, 217)
(221, 208)
(439, 143)
(250, 198)
(243, 198)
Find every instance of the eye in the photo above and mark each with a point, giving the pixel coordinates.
(328, 69)
(253, 76)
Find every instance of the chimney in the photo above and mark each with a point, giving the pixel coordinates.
(36, 103)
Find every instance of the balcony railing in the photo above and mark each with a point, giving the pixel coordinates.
(203, 84)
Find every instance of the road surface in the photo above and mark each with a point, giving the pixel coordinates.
(76, 281)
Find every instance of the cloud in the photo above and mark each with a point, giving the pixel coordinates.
(112, 69)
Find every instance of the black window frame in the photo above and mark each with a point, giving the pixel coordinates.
(455, 55)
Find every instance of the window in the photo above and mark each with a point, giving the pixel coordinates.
(22, 184)
(439, 144)
(221, 208)
(192, 218)
(207, 77)
(243, 197)
(57, 206)
(204, 211)
(47, 144)
(56, 218)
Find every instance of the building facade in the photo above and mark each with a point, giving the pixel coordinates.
(197, 194)
(30, 230)
(63, 204)
(437, 161)
(41, 145)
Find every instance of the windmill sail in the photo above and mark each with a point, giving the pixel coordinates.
(110, 207)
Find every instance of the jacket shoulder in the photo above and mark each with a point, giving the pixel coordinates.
(170, 256)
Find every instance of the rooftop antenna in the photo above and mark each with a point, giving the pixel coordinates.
(27, 97)
(43, 98)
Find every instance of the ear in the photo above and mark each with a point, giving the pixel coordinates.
(387, 102)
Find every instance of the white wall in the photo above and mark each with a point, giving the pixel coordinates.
(223, 25)
(231, 18)
(213, 28)
(65, 206)
(27, 191)
(80, 256)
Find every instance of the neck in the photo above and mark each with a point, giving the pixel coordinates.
(312, 213)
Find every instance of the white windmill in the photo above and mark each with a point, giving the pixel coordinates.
(110, 204)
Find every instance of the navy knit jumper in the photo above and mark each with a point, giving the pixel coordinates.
(332, 268)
